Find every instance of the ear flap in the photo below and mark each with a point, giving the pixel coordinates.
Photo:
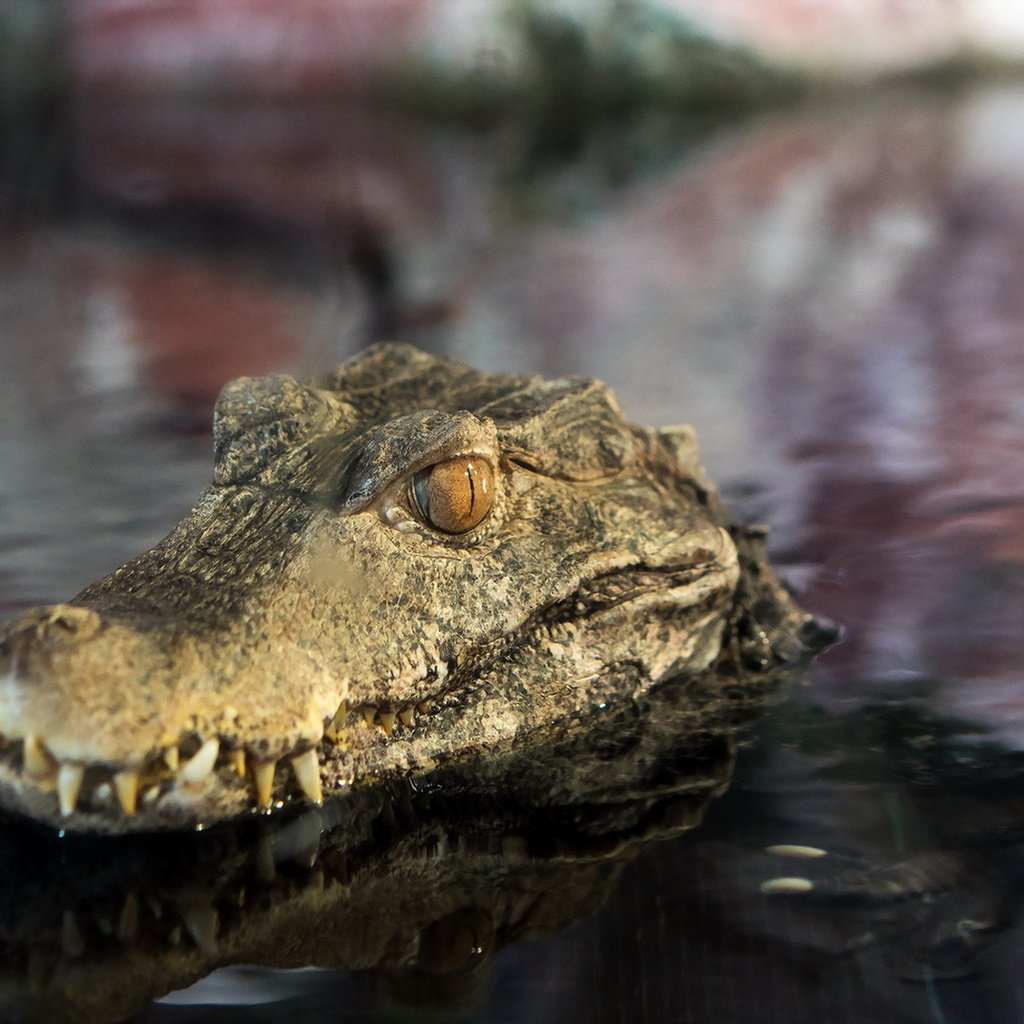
(681, 443)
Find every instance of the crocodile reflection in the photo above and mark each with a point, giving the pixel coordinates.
(418, 882)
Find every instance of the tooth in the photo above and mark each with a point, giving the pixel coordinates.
(307, 774)
(37, 761)
(238, 761)
(128, 922)
(406, 717)
(172, 758)
(263, 777)
(306, 857)
(69, 782)
(202, 921)
(387, 721)
(199, 766)
(266, 867)
(126, 784)
(71, 939)
(369, 713)
(336, 729)
(425, 707)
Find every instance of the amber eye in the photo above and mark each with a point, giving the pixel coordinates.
(456, 495)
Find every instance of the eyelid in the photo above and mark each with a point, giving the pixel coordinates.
(400, 509)
(390, 453)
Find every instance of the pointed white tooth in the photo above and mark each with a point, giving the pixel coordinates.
(200, 764)
(369, 713)
(238, 761)
(126, 784)
(263, 778)
(307, 774)
(406, 717)
(336, 729)
(172, 758)
(37, 760)
(387, 721)
(69, 783)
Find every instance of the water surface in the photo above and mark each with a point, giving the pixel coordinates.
(831, 296)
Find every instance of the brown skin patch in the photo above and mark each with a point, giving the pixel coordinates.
(423, 560)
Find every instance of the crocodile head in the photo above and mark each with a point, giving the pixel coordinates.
(397, 564)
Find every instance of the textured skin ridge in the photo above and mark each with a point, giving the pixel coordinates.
(306, 627)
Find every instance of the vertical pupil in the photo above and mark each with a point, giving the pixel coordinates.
(472, 488)
(454, 496)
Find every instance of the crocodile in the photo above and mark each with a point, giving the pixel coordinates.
(398, 564)
(392, 882)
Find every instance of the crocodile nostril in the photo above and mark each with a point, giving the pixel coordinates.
(73, 621)
(52, 626)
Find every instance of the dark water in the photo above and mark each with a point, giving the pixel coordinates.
(831, 296)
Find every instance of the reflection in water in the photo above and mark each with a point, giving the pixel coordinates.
(831, 296)
(417, 884)
(878, 882)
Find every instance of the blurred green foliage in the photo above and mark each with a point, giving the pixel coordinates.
(626, 57)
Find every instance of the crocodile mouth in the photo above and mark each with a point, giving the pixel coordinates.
(199, 776)
(173, 782)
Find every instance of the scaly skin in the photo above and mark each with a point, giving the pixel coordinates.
(304, 628)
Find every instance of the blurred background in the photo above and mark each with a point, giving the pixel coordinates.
(796, 224)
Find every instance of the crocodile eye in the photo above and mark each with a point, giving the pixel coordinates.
(456, 495)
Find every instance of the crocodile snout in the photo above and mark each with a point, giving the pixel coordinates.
(67, 676)
(98, 713)
(56, 627)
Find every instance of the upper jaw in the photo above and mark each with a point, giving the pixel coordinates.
(109, 727)
(135, 717)
(101, 720)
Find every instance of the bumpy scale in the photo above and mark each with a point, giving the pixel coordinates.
(400, 563)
